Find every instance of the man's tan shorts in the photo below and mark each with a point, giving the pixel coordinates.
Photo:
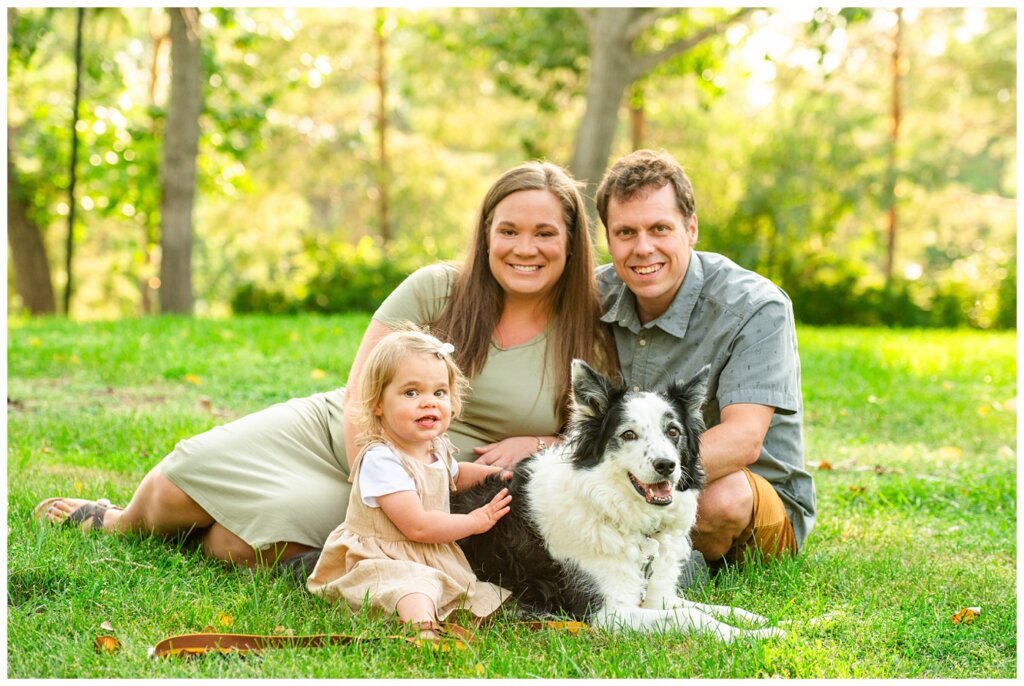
(770, 530)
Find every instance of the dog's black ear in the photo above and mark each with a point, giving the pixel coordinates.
(591, 391)
(691, 395)
(688, 398)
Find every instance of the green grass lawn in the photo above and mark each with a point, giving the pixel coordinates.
(917, 515)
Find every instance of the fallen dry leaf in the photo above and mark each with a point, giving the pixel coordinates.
(966, 615)
(107, 626)
(208, 629)
(858, 489)
(204, 404)
(824, 465)
(106, 644)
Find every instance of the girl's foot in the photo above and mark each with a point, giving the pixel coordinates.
(428, 631)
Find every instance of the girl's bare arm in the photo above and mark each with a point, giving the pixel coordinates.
(406, 511)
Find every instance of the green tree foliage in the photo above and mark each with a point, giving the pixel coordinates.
(120, 132)
(781, 121)
(796, 190)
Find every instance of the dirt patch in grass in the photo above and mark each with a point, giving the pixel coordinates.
(26, 397)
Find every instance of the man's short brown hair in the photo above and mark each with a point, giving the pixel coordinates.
(639, 172)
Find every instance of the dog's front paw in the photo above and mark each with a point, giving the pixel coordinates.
(663, 601)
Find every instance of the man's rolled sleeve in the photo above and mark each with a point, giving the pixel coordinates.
(762, 366)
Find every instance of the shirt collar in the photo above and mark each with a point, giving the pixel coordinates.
(675, 319)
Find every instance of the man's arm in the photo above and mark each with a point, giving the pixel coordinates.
(735, 442)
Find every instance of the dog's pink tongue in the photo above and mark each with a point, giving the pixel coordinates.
(660, 490)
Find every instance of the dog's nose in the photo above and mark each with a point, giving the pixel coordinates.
(664, 467)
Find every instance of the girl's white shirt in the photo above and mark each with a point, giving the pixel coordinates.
(382, 473)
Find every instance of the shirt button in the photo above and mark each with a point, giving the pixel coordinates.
(643, 342)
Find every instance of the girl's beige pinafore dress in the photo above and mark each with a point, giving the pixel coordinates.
(367, 555)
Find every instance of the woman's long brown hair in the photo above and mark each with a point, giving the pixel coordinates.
(477, 299)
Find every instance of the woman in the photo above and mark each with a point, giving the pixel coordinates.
(275, 483)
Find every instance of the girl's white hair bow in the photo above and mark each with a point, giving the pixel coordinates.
(445, 349)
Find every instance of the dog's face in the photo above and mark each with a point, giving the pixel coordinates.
(653, 439)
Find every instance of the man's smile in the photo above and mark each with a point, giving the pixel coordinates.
(648, 269)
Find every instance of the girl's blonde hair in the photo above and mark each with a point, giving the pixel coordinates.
(382, 363)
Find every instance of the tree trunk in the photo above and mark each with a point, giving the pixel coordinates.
(147, 293)
(73, 163)
(637, 118)
(28, 252)
(894, 139)
(611, 55)
(178, 175)
(382, 124)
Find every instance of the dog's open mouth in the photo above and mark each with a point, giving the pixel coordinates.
(656, 494)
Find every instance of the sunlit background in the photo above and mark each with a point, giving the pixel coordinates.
(811, 136)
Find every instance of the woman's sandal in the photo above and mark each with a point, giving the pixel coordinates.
(88, 516)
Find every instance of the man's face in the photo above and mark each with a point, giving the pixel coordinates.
(651, 242)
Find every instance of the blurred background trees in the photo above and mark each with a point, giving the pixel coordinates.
(338, 149)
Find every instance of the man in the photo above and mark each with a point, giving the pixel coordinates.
(674, 310)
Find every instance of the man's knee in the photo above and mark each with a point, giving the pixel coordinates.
(726, 505)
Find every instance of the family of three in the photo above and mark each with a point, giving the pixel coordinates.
(377, 455)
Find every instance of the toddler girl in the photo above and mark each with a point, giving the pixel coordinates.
(396, 548)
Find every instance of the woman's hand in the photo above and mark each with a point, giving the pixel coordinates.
(488, 515)
(507, 453)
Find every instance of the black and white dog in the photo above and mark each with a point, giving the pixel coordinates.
(600, 523)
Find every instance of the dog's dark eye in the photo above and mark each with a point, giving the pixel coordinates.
(672, 432)
(629, 435)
